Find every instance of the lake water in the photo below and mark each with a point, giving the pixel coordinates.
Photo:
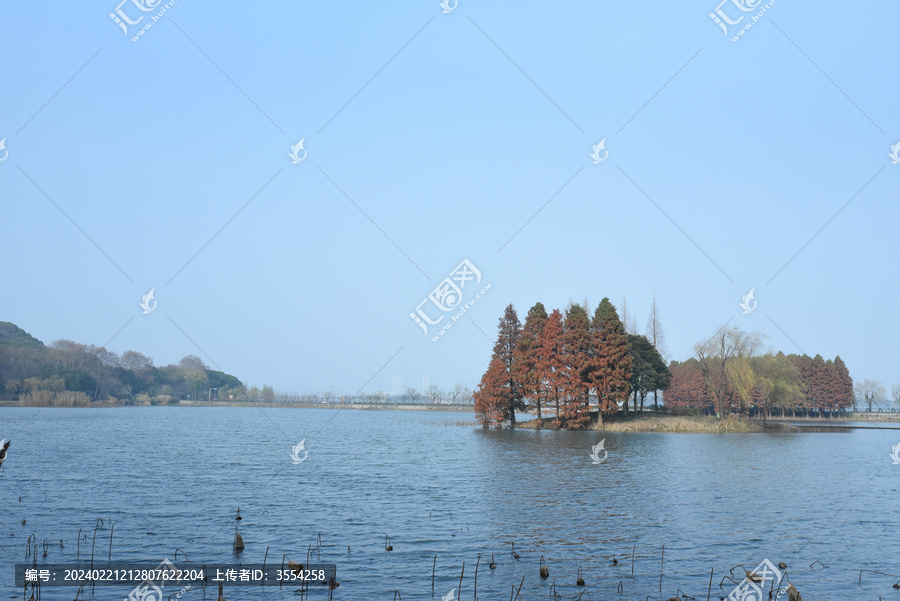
(714, 500)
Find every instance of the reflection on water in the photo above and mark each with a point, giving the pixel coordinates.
(714, 500)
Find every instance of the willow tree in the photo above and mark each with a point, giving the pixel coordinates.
(777, 383)
(722, 361)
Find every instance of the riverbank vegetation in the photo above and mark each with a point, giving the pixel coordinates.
(583, 371)
(656, 422)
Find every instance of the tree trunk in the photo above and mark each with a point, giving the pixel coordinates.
(655, 401)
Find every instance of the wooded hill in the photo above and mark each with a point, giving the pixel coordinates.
(68, 373)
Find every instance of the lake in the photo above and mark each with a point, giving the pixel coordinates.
(825, 503)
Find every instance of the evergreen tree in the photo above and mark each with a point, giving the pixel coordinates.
(804, 365)
(818, 384)
(611, 367)
(549, 365)
(844, 385)
(491, 398)
(687, 387)
(508, 332)
(649, 372)
(576, 356)
(525, 358)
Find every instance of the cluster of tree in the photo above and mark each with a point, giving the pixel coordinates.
(728, 375)
(433, 395)
(573, 364)
(29, 370)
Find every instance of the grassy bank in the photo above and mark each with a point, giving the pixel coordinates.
(662, 424)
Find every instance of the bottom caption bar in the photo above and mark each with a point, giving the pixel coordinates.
(168, 574)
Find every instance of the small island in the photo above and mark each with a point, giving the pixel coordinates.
(579, 372)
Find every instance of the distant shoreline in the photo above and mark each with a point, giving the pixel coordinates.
(362, 406)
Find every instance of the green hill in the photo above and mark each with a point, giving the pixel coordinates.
(13, 335)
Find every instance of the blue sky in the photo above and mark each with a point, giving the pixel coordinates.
(433, 138)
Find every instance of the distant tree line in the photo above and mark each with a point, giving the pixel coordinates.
(433, 395)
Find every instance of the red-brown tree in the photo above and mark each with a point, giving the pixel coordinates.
(525, 358)
(611, 366)
(491, 397)
(550, 368)
(687, 388)
(576, 352)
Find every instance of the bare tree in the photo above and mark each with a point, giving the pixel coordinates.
(411, 395)
(658, 340)
(718, 356)
(655, 331)
(629, 320)
(139, 362)
(869, 393)
(435, 394)
(895, 391)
